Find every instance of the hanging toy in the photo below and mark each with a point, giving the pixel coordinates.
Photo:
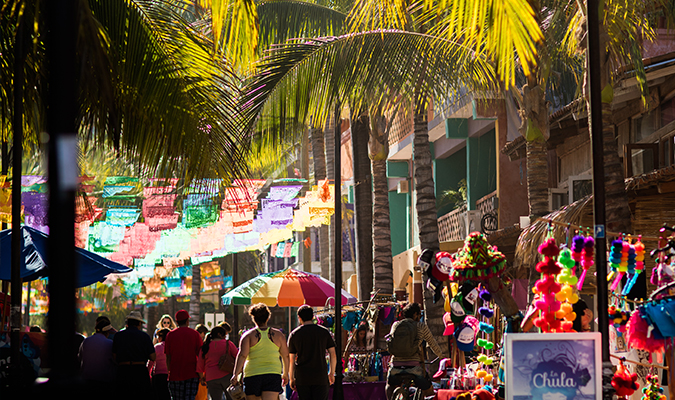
(587, 260)
(652, 391)
(577, 249)
(547, 288)
(639, 265)
(623, 382)
(622, 265)
(630, 269)
(568, 259)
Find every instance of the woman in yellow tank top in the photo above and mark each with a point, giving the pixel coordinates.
(261, 353)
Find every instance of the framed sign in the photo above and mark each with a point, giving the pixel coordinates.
(560, 366)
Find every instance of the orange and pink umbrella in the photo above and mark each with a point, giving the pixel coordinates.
(286, 288)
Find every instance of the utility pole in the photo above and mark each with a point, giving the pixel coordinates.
(17, 237)
(338, 394)
(62, 110)
(595, 115)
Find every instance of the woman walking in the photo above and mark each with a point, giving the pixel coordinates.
(214, 348)
(159, 374)
(260, 357)
(165, 322)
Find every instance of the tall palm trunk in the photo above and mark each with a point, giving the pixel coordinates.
(427, 223)
(382, 259)
(617, 211)
(363, 204)
(329, 140)
(319, 156)
(195, 296)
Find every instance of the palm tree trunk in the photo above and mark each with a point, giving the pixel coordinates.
(195, 296)
(537, 192)
(427, 223)
(329, 140)
(617, 211)
(378, 147)
(319, 156)
(363, 205)
(382, 259)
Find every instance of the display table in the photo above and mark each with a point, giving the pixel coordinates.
(447, 394)
(358, 391)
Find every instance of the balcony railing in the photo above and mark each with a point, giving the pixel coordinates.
(458, 223)
(450, 225)
(487, 204)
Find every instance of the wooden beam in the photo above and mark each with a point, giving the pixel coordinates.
(666, 187)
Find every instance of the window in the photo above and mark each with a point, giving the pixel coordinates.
(667, 112)
(580, 186)
(643, 126)
(557, 198)
(640, 158)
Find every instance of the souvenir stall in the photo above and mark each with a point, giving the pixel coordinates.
(365, 358)
(641, 330)
(473, 324)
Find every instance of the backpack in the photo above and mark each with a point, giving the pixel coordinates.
(402, 340)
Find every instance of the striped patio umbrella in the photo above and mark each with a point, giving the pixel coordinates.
(286, 288)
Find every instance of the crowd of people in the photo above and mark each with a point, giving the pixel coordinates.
(181, 363)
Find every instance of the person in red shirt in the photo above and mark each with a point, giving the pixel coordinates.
(182, 347)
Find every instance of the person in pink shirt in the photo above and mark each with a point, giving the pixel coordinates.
(158, 371)
(215, 346)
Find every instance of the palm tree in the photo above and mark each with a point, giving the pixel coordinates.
(625, 26)
(410, 16)
(289, 83)
(363, 204)
(149, 86)
(378, 149)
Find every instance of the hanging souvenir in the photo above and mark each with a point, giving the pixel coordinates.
(652, 390)
(623, 382)
(587, 260)
(548, 288)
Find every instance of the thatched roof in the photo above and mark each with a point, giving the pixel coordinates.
(650, 179)
(579, 213)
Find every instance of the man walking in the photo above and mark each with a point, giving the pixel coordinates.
(307, 345)
(182, 348)
(132, 348)
(96, 358)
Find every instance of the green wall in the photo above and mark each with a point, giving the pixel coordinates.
(399, 221)
(447, 174)
(481, 167)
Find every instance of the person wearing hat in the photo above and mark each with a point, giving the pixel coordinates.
(182, 347)
(96, 356)
(132, 348)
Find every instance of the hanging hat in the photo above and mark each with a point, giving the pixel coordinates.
(465, 334)
(477, 260)
(443, 266)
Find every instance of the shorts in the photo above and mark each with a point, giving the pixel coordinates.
(256, 384)
(420, 376)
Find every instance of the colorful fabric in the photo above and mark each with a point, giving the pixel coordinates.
(287, 288)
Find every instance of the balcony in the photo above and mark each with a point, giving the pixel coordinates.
(458, 223)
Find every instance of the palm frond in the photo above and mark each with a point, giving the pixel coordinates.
(303, 79)
(505, 30)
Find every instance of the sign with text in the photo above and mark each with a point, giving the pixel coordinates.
(565, 366)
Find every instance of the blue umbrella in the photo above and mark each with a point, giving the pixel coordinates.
(92, 267)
